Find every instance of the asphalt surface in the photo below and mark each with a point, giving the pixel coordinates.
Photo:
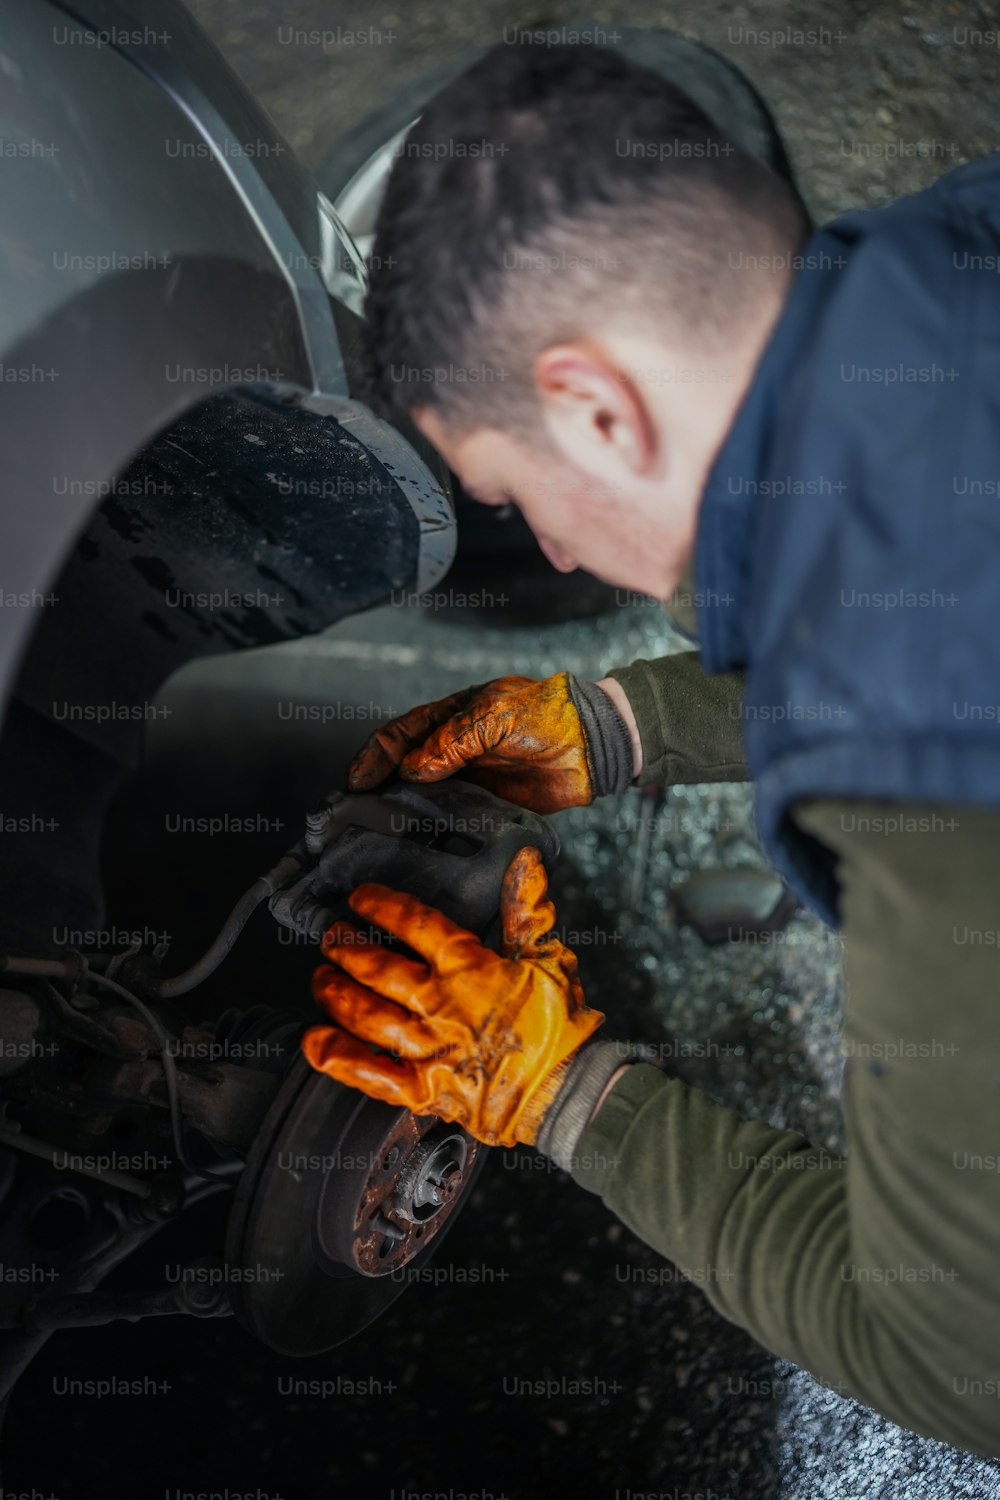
(646, 1389)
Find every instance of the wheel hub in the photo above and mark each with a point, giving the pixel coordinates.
(339, 1192)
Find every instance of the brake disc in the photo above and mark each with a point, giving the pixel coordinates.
(342, 1199)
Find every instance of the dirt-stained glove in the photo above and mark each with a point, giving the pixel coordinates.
(477, 1038)
(544, 744)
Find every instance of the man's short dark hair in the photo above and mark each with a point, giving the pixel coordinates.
(542, 192)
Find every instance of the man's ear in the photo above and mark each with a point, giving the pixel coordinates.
(593, 412)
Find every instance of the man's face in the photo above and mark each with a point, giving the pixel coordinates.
(578, 520)
(615, 482)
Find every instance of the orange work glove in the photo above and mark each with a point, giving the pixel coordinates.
(545, 745)
(479, 1039)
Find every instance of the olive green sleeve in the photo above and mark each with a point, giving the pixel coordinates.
(875, 1271)
(690, 724)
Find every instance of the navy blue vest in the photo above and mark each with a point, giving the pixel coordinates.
(848, 549)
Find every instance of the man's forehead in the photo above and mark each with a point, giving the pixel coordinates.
(428, 421)
(482, 459)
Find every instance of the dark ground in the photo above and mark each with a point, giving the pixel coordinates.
(669, 1399)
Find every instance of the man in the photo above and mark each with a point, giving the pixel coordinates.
(827, 478)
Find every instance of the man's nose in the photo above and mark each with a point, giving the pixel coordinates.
(557, 557)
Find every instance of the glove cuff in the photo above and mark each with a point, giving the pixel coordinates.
(609, 745)
(583, 1079)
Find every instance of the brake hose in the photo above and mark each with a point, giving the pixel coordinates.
(234, 924)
